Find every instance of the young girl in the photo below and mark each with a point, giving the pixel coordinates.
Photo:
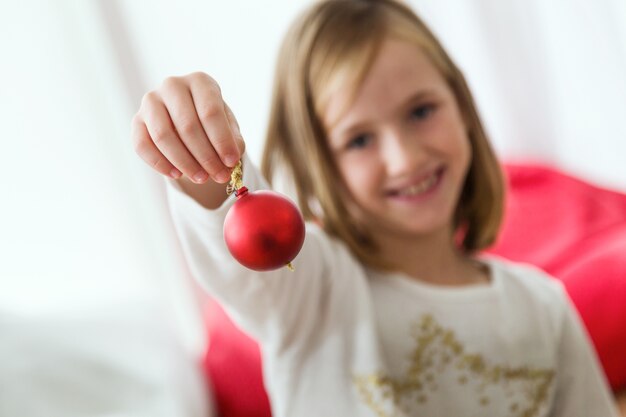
(389, 312)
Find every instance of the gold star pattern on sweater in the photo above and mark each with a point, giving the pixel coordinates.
(437, 349)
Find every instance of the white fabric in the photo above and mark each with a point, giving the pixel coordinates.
(339, 339)
(119, 361)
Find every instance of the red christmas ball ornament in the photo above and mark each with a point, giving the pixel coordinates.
(263, 230)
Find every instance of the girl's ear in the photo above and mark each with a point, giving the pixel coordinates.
(316, 209)
(318, 221)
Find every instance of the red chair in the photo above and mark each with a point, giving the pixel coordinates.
(573, 230)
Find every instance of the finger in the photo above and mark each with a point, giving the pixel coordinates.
(209, 106)
(179, 104)
(148, 152)
(234, 127)
(165, 138)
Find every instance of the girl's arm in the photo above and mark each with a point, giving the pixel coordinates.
(581, 386)
(210, 195)
(280, 306)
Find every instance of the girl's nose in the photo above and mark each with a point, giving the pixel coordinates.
(401, 152)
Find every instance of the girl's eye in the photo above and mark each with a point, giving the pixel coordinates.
(422, 112)
(359, 142)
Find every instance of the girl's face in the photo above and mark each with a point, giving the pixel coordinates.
(401, 147)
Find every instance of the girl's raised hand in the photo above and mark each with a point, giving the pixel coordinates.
(185, 128)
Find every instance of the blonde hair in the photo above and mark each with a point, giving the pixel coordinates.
(331, 46)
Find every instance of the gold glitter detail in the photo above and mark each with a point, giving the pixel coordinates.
(236, 179)
(435, 347)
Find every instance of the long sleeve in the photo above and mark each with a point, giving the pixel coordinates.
(278, 307)
(582, 389)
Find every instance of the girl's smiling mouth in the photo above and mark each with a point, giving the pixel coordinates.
(418, 189)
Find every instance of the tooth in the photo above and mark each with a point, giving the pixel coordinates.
(421, 187)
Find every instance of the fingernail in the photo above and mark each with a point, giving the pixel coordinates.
(200, 177)
(176, 174)
(222, 176)
(230, 160)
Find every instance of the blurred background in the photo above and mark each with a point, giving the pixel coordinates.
(98, 314)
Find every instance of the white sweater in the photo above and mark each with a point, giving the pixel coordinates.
(339, 339)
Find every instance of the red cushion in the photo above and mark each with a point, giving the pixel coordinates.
(574, 231)
(233, 366)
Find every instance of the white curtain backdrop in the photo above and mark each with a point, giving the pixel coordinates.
(96, 314)
(84, 232)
